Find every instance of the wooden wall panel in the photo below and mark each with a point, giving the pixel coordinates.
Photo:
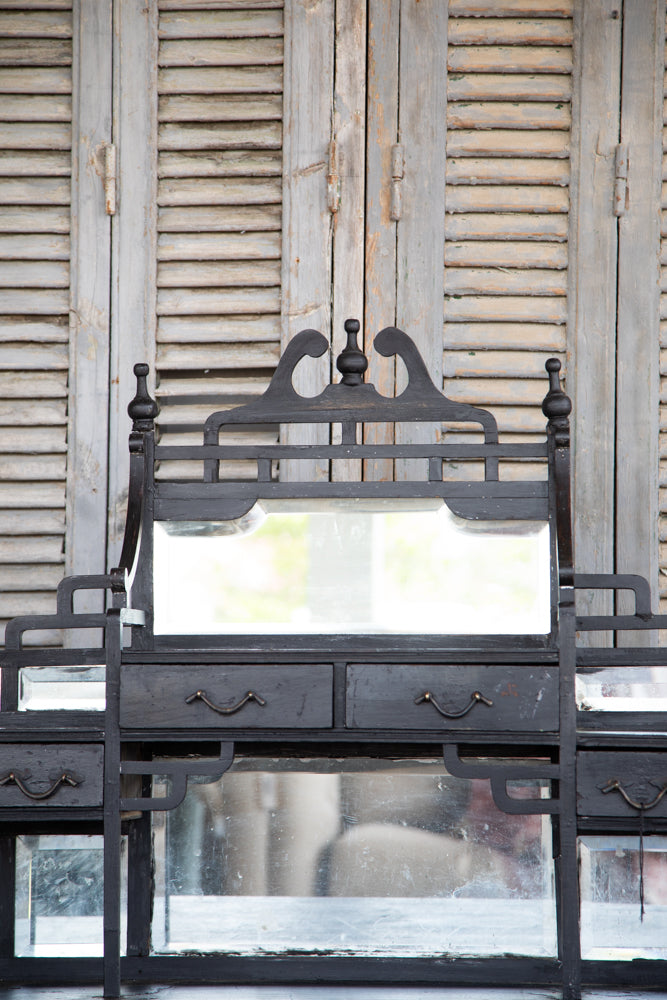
(219, 198)
(35, 141)
(507, 203)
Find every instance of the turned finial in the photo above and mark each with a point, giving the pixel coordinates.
(352, 362)
(142, 409)
(556, 403)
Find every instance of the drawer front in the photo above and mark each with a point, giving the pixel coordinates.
(413, 696)
(285, 696)
(50, 775)
(606, 781)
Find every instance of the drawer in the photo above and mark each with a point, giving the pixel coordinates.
(284, 696)
(50, 775)
(639, 777)
(414, 696)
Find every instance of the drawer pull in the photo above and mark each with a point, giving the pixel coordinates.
(614, 785)
(202, 696)
(15, 779)
(475, 698)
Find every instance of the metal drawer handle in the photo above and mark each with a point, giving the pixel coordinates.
(15, 779)
(614, 785)
(202, 696)
(475, 698)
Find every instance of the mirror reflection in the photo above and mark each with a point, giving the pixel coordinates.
(352, 566)
(360, 856)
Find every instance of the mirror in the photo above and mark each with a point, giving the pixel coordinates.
(350, 566)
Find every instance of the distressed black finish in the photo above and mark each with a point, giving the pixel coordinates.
(502, 708)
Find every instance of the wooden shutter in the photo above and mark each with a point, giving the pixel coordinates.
(508, 170)
(35, 140)
(220, 82)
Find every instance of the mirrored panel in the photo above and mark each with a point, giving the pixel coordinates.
(622, 689)
(359, 856)
(64, 688)
(60, 895)
(352, 566)
(613, 925)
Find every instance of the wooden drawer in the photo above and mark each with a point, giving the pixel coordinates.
(413, 696)
(284, 696)
(50, 775)
(639, 777)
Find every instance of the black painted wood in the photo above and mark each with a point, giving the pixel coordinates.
(39, 769)
(392, 696)
(294, 695)
(484, 698)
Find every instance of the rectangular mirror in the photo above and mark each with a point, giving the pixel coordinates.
(612, 925)
(352, 567)
(359, 856)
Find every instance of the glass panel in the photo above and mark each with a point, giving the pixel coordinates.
(611, 921)
(358, 857)
(43, 688)
(59, 895)
(349, 567)
(622, 689)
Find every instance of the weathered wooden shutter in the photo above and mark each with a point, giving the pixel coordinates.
(508, 147)
(663, 363)
(35, 140)
(219, 165)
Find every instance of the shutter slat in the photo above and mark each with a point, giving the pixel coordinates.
(505, 114)
(34, 220)
(42, 80)
(223, 24)
(37, 23)
(487, 364)
(34, 300)
(35, 274)
(509, 59)
(35, 52)
(32, 522)
(224, 191)
(35, 135)
(506, 142)
(512, 336)
(218, 246)
(228, 135)
(16, 412)
(213, 108)
(27, 328)
(218, 329)
(237, 218)
(506, 170)
(504, 281)
(506, 308)
(512, 31)
(226, 355)
(489, 391)
(509, 8)
(35, 108)
(34, 356)
(231, 163)
(248, 78)
(219, 52)
(207, 274)
(212, 301)
(506, 198)
(29, 247)
(33, 577)
(504, 226)
(506, 254)
(502, 87)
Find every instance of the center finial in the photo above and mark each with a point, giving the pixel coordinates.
(352, 362)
